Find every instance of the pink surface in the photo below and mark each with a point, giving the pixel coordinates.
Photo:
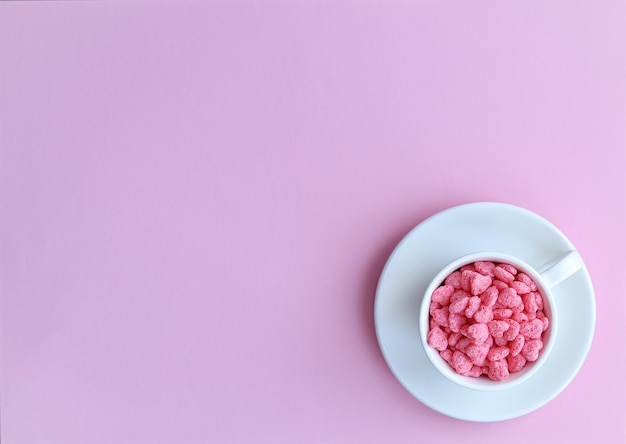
(197, 199)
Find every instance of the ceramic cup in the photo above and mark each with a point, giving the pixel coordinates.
(546, 277)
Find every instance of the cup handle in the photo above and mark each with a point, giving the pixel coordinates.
(560, 268)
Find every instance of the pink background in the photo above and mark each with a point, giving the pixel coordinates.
(197, 199)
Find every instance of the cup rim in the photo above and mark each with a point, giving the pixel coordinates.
(483, 383)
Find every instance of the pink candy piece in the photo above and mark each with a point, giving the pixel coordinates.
(500, 341)
(542, 317)
(520, 317)
(503, 275)
(478, 332)
(483, 315)
(456, 321)
(489, 341)
(497, 328)
(461, 363)
(531, 349)
(442, 294)
(516, 363)
(437, 339)
(472, 306)
(475, 372)
(512, 331)
(441, 316)
(516, 345)
(479, 284)
(520, 287)
(502, 313)
(500, 285)
(459, 305)
(477, 353)
(539, 301)
(459, 294)
(498, 353)
(498, 370)
(509, 268)
(454, 280)
(485, 268)
(531, 329)
(509, 298)
(454, 338)
(463, 344)
(518, 308)
(490, 296)
(530, 303)
(466, 279)
(523, 277)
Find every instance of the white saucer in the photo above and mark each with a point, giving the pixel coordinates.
(428, 248)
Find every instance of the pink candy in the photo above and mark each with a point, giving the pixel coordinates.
(513, 330)
(459, 305)
(516, 363)
(479, 284)
(503, 275)
(517, 344)
(498, 370)
(461, 363)
(509, 298)
(483, 315)
(531, 329)
(456, 321)
(477, 353)
(478, 332)
(472, 306)
(531, 349)
(437, 339)
(487, 318)
(485, 268)
(497, 328)
(520, 287)
(442, 294)
(490, 296)
(498, 353)
(454, 280)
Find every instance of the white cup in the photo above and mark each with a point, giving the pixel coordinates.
(546, 277)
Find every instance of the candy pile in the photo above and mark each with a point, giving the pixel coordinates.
(487, 318)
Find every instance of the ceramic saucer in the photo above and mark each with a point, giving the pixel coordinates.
(428, 248)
